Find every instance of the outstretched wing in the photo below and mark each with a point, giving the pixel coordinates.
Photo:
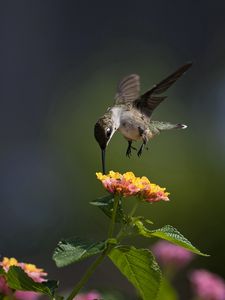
(150, 100)
(128, 89)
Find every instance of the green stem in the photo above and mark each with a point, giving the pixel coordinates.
(86, 276)
(97, 262)
(134, 209)
(113, 220)
(122, 232)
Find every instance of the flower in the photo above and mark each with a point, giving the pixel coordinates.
(171, 256)
(26, 295)
(92, 295)
(4, 289)
(32, 271)
(207, 285)
(128, 184)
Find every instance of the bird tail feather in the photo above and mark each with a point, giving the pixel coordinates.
(166, 125)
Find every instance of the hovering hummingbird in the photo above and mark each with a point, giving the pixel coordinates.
(131, 113)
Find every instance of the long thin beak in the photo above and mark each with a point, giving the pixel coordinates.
(103, 161)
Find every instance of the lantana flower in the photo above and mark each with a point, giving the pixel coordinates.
(31, 270)
(92, 295)
(128, 184)
(207, 285)
(171, 256)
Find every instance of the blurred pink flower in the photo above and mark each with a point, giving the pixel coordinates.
(4, 289)
(207, 285)
(32, 271)
(92, 295)
(26, 295)
(170, 255)
(18, 295)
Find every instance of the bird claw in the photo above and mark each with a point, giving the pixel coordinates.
(140, 150)
(129, 152)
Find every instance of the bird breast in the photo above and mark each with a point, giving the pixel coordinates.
(130, 125)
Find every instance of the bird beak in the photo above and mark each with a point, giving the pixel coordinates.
(103, 160)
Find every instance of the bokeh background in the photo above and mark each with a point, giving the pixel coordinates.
(60, 62)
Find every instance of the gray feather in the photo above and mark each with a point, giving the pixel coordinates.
(128, 89)
(150, 100)
(157, 126)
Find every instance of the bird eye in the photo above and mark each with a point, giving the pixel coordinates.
(108, 132)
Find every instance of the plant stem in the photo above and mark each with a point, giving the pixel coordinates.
(113, 220)
(134, 209)
(120, 235)
(97, 262)
(86, 276)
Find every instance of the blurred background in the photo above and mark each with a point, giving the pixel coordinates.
(60, 62)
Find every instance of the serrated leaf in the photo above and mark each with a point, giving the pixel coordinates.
(170, 234)
(140, 268)
(103, 201)
(17, 279)
(75, 249)
(106, 205)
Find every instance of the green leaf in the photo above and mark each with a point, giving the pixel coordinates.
(75, 249)
(167, 291)
(170, 234)
(140, 268)
(4, 297)
(2, 272)
(17, 279)
(106, 205)
(52, 285)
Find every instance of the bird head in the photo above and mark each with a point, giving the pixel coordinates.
(103, 132)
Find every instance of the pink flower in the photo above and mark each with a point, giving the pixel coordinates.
(4, 289)
(32, 271)
(92, 295)
(26, 295)
(170, 255)
(207, 285)
(128, 184)
(18, 295)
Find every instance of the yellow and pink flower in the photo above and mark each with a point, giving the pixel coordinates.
(128, 184)
(32, 271)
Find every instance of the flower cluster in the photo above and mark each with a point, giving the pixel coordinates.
(32, 271)
(171, 256)
(207, 285)
(128, 184)
(92, 295)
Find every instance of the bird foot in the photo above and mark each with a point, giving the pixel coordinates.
(129, 152)
(140, 150)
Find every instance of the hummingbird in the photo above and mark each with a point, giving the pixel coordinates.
(131, 113)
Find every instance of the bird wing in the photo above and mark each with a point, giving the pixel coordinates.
(150, 100)
(128, 89)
